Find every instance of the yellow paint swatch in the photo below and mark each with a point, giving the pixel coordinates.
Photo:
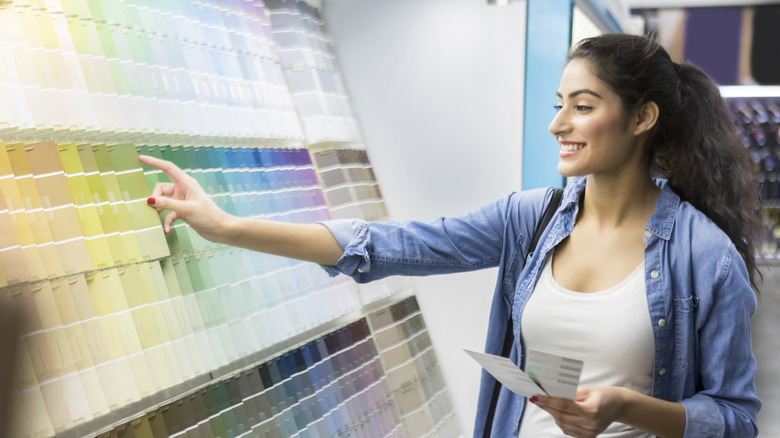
(116, 202)
(22, 230)
(105, 211)
(88, 216)
(52, 186)
(32, 227)
(13, 267)
(134, 190)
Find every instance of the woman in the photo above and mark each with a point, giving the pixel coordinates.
(647, 280)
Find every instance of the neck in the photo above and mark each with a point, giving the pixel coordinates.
(614, 201)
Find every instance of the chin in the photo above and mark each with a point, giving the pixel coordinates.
(569, 173)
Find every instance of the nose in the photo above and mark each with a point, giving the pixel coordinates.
(559, 123)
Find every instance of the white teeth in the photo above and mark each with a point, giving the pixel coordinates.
(571, 147)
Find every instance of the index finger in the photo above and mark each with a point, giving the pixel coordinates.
(170, 169)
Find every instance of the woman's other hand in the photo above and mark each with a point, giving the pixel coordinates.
(590, 413)
(594, 408)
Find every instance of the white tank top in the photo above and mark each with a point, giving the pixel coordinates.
(609, 330)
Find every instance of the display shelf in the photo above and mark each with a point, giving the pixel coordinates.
(152, 403)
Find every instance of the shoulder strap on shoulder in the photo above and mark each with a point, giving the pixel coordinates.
(555, 201)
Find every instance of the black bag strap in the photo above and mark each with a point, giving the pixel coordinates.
(555, 201)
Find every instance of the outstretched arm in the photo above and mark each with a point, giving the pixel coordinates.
(186, 200)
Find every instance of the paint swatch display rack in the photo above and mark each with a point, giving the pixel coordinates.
(128, 331)
(339, 384)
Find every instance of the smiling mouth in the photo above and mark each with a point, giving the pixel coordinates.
(570, 146)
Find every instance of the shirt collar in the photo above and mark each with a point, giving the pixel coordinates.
(573, 191)
(661, 222)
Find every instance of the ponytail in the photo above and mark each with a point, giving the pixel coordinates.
(712, 171)
(694, 144)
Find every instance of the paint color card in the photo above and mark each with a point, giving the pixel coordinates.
(22, 229)
(132, 184)
(105, 210)
(79, 336)
(152, 175)
(180, 325)
(118, 392)
(174, 422)
(13, 266)
(58, 206)
(88, 216)
(24, 198)
(30, 414)
(161, 351)
(43, 331)
(194, 312)
(99, 394)
(116, 202)
(115, 286)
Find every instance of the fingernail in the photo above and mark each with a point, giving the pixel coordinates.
(150, 200)
(533, 399)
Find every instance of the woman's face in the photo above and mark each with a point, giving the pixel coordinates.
(593, 133)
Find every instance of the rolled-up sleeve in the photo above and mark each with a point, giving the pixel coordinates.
(353, 236)
(726, 404)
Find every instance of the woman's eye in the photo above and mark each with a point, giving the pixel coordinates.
(578, 108)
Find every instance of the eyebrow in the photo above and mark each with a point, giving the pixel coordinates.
(574, 94)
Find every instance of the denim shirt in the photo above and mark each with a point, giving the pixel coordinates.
(698, 294)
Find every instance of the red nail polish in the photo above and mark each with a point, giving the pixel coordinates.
(533, 399)
(150, 200)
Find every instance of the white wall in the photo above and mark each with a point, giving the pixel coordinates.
(437, 88)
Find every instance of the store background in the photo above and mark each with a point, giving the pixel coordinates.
(438, 89)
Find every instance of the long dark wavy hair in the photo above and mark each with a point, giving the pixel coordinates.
(694, 144)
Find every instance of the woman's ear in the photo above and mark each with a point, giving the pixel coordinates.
(645, 118)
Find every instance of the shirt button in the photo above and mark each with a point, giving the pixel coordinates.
(654, 274)
(662, 372)
(648, 233)
(662, 322)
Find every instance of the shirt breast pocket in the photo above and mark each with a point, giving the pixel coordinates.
(684, 323)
